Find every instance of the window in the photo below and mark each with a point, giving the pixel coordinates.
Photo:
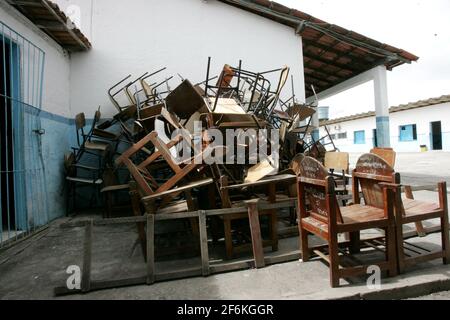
(333, 136)
(342, 135)
(360, 137)
(408, 133)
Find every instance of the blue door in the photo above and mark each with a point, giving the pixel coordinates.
(23, 200)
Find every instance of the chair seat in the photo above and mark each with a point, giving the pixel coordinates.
(86, 181)
(96, 145)
(359, 214)
(115, 188)
(364, 216)
(175, 207)
(415, 210)
(105, 134)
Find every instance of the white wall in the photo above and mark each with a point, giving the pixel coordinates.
(144, 35)
(56, 91)
(422, 117)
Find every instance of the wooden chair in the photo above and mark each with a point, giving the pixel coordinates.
(110, 193)
(413, 211)
(85, 142)
(410, 211)
(387, 154)
(156, 197)
(338, 162)
(141, 173)
(90, 177)
(326, 220)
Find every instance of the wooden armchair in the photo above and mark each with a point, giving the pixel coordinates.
(413, 211)
(410, 211)
(326, 220)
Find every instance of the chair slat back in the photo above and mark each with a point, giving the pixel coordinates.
(148, 90)
(370, 171)
(165, 152)
(80, 121)
(387, 154)
(318, 189)
(226, 77)
(338, 161)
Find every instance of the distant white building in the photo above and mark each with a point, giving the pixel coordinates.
(412, 126)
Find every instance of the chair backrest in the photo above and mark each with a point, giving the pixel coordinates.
(284, 76)
(338, 161)
(370, 171)
(302, 112)
(316, 186)
(148, 90)
(184, 100)
(295, 164)
(225, 77)
(387, 154)
(80, 121)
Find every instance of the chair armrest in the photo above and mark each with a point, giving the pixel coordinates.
(392, 186)
(188, 187)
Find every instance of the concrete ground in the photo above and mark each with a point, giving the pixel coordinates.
(33, 268)
(435, 296)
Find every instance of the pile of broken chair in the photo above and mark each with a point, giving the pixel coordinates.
(169, 160)
(240, 203)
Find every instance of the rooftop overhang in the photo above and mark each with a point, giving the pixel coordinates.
(331, 54)
(48, 17)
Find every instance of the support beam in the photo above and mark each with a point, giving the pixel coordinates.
(382, 107)
(379, 77)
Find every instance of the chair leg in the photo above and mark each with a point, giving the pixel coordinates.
(274, 230)
(445, 239)
(391, 252)
(109, 204)
(304, 244)
(355, 240)
(74, 195)
(400, 248)
(444, 222)
(334, 261)
(228, 237)
(68, 196)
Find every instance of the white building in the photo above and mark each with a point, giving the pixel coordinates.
(412, 126)
(54, 71)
